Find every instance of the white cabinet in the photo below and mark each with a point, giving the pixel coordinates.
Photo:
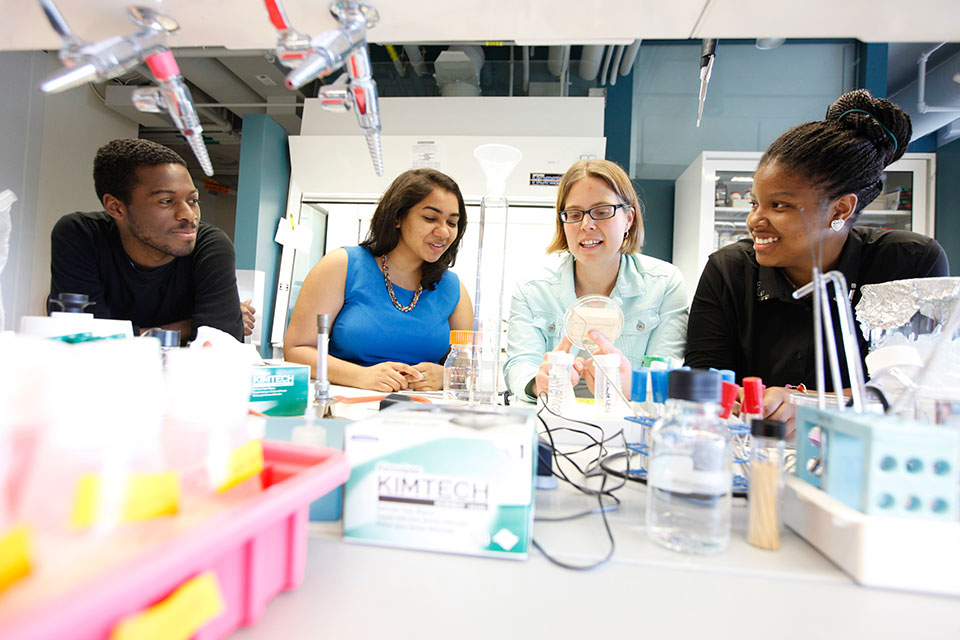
(712, 201)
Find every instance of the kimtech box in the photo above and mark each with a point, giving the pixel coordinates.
(445, 478)
(280, 389)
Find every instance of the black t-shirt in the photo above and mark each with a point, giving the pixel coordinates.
(743, 316)
(88, 257)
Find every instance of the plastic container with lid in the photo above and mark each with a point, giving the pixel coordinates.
(690, 477)
(765, 520)
(99, 463)
(560, 397)
(608, 402)
(592, 313)
(207, 437)
(460, 368)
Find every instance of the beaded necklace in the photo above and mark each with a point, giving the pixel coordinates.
(393, 298)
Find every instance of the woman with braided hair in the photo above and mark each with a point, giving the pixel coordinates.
(808, 191)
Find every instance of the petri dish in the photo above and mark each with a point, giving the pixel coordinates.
(589, 313)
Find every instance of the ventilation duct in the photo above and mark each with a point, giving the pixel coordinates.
(939, 91)
(457, 70)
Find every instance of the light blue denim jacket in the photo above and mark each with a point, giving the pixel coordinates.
(649, 291)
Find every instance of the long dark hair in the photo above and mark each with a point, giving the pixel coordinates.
(848, 150)
(409, 189)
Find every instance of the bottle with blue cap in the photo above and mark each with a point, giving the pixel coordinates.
(689, 482)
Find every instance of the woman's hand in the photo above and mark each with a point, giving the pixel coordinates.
(429, 377)
(386, 376)
(542, 381)
(776, 406)
(626, 370)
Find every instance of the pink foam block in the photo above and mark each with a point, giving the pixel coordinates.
(257, 548)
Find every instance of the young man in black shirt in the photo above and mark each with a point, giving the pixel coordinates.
(147, 257)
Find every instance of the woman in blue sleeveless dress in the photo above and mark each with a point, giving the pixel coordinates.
(392, 299)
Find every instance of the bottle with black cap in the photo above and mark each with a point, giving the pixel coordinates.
(690, 479)
(766, 483)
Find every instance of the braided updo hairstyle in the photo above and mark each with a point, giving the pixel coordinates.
(848, 150)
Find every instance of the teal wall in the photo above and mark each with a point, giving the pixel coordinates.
(650, 115)
(948, 203)
(656, 196)
(261, 201)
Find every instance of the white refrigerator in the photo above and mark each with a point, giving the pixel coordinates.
(712, 199)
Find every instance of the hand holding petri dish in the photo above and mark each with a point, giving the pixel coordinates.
(592, 313)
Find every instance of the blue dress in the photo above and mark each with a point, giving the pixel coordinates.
(369, 329)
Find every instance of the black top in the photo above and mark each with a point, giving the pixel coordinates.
(88, 257)
(743, 316)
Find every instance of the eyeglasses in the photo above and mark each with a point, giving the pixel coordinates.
(600, 212)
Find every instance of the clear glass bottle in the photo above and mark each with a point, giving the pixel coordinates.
(459, 369)
(766, 483)
(690, 478)
(560, 397)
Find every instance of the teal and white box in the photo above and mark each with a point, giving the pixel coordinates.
(280, 389)
(454, 479)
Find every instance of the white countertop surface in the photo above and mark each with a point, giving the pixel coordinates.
(645, 591)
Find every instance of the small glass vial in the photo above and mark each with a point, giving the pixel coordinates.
(459, 369)
(689, 483)
(560, 396)
(607, 374)
(766, 483)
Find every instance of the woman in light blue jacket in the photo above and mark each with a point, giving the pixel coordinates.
(600, 227)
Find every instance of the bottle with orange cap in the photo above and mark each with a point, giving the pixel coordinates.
(459, 369)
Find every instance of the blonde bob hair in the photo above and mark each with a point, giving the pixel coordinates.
(619, 182)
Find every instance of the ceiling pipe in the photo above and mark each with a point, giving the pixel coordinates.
(629, 56)
(416, 59)
(246, 105)
(526, 70)
(608, 54)
(218, 52)
(510, 90)
(922, 105)
(590, 60)
(939, 89)
(615, 64)
(565, 72)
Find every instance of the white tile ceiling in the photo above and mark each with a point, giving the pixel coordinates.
(243, 23)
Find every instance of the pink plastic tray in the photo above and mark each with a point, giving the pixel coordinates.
(257, 548)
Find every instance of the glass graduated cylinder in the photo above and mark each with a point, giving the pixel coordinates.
(488, 313)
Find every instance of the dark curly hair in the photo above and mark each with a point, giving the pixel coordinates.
(847, 151)
(115, 165)
(407, 190)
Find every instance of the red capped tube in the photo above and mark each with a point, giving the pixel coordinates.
(729, 396)
(752, 396)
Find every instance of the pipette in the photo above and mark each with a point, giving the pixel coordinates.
(320, 56)
(708, 53)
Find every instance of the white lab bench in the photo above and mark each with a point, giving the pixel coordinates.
(357, 591)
